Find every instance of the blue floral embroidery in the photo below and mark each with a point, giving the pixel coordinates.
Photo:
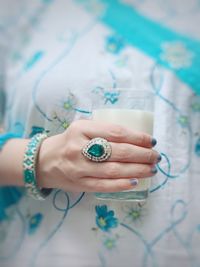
(114, 44)
(110, 243)
(183, 121)
(197, 147)
(105, 219)
(111, 97)
(36, 130)
(134, 213)
(177, 55)
(34, 222)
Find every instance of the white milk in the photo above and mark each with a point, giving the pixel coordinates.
(137, 120)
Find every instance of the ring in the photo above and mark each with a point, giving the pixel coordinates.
(97, 149)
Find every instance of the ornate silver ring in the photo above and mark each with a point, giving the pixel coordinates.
(97, 149)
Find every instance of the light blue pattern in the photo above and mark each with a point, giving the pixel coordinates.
(69, 205)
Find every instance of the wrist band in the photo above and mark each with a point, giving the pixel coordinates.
(29, 167)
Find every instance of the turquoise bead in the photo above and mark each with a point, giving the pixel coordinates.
(96, 150)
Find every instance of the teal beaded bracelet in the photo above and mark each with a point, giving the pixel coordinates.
(29, 166)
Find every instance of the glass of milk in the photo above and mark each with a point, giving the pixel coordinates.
(129, 108)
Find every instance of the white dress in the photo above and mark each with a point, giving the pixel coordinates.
(55, 55)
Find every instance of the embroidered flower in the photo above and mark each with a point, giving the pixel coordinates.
(65, 110)
(197, 147)
(110, 243)
(114, 44)
(111, 97)
(195, 106)
(134, 213)
(177, 55)
(34, 222)
(183, 121)
(105, 219)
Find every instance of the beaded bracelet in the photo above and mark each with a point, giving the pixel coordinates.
(29, 167)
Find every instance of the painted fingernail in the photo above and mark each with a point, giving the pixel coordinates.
(159, 158)
(154, 170)
(153, 141)
(134, 182)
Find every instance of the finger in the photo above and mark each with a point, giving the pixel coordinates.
(116, 133)
(106, 185)
(117, 170)
(131, 153)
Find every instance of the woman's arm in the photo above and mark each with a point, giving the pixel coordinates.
(11, 158)
(60, 163)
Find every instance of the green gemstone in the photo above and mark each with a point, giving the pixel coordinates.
(96, 150)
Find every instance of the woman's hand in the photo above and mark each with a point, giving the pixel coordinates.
(62, 165)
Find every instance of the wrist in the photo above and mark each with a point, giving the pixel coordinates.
(48, 162)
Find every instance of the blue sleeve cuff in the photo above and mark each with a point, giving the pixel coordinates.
(7, 136)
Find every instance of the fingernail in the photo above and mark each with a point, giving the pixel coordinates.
(153, 142)
(134, 182)
(159, 158)
(154, 170)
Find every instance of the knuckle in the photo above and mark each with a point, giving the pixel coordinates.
(112, 171)
(150, 156)
(118, 132)
(143, 171)
(122, 153)
(72, 151)
(78, 125)
(78, 170)
(100, 186)
(143, 139)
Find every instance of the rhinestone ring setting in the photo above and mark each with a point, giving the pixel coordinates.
(97, 149)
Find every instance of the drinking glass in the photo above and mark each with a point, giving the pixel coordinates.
(129, 108)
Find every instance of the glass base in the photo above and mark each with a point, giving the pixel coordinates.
(136, 196)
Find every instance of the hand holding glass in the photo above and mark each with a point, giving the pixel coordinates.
(133, 109)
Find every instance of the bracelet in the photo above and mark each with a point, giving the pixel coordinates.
(29, 168)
